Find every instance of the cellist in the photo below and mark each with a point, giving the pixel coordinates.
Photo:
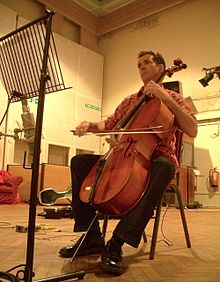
(131, 225)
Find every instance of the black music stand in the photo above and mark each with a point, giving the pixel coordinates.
(29, 67)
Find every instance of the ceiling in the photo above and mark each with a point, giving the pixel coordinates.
(102, 7)
(103, 16)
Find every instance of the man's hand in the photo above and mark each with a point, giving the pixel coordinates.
(82, 128)
(185, 121)
(85, 126)
(152, 89)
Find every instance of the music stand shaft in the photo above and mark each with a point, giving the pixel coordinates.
(36, 157)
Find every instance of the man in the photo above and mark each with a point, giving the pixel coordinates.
(129, 229)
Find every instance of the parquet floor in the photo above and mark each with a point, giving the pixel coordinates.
(174, 263)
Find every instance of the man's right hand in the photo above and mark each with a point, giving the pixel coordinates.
(82, 128)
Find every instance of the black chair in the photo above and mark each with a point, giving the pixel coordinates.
(171, 188)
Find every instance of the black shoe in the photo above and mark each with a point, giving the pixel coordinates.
(90, 245)
(112, 258)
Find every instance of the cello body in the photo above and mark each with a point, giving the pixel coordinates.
(125, 174)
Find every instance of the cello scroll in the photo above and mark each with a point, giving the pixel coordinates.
(178, 66)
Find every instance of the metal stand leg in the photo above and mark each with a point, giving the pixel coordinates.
(144, 236)
(78, 275)
(155, 231)
(105, 224)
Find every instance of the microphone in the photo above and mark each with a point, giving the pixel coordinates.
(28, 124)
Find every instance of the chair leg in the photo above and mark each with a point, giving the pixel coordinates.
(104, 227)
(155, 231)
(183, 217)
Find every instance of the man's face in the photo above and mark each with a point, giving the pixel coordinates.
(148, 69)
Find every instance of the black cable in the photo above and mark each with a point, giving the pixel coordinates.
(5, 224)
(5, 276)
(20, 275)
(9, 102)
(166, 240)
(8, 276)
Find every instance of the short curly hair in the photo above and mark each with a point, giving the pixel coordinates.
(157, 57)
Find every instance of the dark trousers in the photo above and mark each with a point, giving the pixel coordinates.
(132, 224)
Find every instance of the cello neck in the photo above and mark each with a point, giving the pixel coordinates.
(132, 112)
(143, 99)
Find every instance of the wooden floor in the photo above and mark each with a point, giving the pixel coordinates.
(174, 263)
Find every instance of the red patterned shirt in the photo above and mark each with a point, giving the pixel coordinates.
(166, 145)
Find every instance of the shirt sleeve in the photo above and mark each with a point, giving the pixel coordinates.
(120, 111)
(181, 102)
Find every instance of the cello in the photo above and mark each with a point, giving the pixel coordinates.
(119, 179)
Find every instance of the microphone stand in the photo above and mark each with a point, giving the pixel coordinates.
(14, 136)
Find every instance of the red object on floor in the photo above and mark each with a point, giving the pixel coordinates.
(9, 188)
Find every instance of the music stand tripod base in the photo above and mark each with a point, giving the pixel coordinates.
(73, 276)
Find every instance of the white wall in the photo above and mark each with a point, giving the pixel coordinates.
(189, 31)
(82, 70)
(7, 25)
(207, 156)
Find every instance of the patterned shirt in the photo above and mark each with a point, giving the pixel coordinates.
(166, 145)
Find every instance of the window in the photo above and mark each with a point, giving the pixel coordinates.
(58, 155)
